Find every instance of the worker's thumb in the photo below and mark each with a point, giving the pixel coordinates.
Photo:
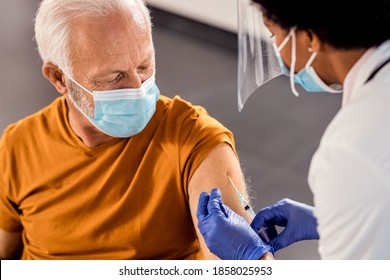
(284, 239)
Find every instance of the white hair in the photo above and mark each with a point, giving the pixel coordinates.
(53, 19)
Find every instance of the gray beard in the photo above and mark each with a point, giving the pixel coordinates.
(78, 97)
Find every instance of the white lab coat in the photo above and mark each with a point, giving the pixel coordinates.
(350, 171)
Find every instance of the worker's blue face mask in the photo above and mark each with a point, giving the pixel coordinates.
(306, 77)
(124, 112)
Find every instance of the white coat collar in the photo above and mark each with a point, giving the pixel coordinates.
(362, 69)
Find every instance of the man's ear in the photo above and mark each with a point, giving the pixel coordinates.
(55, 76)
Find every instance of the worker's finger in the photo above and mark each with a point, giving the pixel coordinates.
(282, 240)
(215, 201)
(202, 212)
(263, 218)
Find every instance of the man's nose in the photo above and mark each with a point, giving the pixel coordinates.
(134, 80)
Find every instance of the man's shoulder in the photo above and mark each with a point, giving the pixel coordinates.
(179, 106)
(180, 118)
(181, 111)
(29, 124)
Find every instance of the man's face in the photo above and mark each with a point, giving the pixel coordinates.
(111, 52)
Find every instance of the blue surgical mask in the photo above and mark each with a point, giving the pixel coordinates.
(123, 113)
(306, 77)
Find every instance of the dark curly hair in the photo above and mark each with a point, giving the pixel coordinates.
(344, 24)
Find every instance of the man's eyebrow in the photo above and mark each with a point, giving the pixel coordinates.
(103, 75)
(147, 59)
(99, 76)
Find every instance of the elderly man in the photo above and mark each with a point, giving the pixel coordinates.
(111, 169)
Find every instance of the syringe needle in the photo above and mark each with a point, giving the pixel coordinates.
(231, 181)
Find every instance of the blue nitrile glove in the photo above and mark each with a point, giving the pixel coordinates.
(227, 234)
(297, 218)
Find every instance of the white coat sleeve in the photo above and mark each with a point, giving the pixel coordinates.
(352, 204)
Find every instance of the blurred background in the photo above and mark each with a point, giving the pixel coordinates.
(196, 51)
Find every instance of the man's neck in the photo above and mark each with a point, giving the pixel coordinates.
(90, 135)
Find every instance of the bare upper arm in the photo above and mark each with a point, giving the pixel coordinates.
(11, 244)
(212, 173)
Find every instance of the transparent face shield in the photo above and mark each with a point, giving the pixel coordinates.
(257, 62)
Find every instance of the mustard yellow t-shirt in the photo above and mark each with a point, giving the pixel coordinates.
(124, 199)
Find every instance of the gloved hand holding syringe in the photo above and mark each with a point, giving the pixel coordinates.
(245, 204)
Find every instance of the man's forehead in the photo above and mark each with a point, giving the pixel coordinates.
(95, 32)
(98, 26)
(114, 39)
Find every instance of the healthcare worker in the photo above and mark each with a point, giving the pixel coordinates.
(329, 46)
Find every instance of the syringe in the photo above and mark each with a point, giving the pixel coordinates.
(262, 231)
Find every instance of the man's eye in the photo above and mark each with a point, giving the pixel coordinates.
(143, 68)
(117, 78)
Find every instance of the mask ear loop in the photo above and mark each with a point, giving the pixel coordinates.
(285, 41)
(293, 61)
(311, 59)
(71, 98)
(76, 82)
